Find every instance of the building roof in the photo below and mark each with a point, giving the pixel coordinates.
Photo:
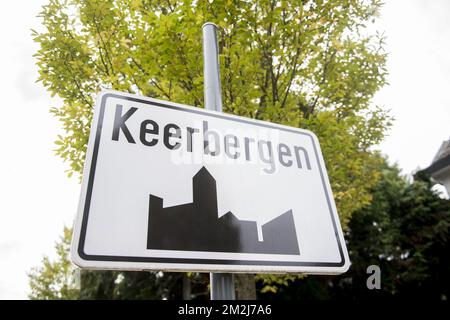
(443, 151)
(441, 160)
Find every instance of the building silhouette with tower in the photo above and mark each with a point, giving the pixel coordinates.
(196, 226)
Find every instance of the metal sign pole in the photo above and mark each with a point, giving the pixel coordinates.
(222, 284)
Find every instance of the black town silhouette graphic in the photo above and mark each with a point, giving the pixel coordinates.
(196, 227)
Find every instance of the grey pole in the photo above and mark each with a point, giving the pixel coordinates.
(211, 73)
(222, 284)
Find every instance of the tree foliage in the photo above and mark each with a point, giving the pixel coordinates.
(405, 231)
(308, 64)
(60, 279)
(135, 285)
(55, 279)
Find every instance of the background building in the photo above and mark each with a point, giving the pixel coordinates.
(439, 169)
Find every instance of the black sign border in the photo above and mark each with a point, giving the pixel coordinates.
(108, 258)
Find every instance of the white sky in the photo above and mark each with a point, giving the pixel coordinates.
(37, 199)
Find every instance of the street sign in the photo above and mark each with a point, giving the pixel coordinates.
(172, 187)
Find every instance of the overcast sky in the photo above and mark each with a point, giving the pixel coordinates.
(37, 199)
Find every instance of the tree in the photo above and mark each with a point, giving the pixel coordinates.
(404, 231)
(60, 279)
(305, 64)
(55, 279)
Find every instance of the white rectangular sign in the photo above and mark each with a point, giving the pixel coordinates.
(172, 187)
